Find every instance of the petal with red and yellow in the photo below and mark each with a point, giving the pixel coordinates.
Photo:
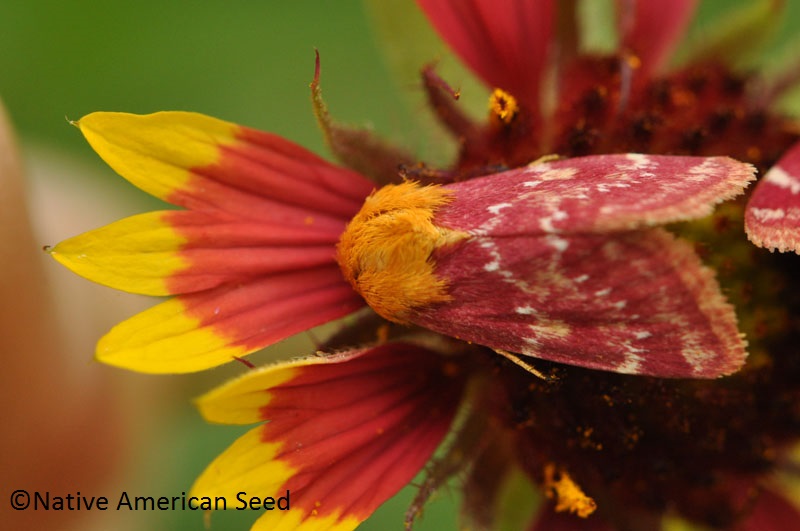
(183, 251)
(209, 165)
(344, 432)
(258, 239)
(772, 217)
(197, 331)
(557, 260)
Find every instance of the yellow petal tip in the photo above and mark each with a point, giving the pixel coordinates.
(165, 340)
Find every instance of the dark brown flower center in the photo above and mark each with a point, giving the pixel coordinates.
(603, 107)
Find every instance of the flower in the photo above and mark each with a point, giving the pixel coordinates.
(251, 260)
(507, 252)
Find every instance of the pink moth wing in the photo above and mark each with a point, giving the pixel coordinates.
(563, 264)
(772, 218)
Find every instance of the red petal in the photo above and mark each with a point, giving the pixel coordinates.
(651, 29)
(263, 311)
(506, 42)
(219, 250)
(265, 178)
(772, 218)
(771, 513)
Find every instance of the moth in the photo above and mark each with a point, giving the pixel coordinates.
(562, 260)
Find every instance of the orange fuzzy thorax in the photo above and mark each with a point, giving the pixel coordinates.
(385, 252)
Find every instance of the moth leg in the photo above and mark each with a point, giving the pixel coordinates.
(516, 360)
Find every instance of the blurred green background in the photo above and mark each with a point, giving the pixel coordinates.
(247, 62)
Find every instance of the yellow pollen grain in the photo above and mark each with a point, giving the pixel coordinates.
(568, 495)
(503, 105)
(386, 250)
(633, 61)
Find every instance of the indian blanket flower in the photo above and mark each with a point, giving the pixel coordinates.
(556, 300)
